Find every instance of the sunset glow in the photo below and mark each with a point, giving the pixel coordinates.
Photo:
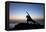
(24, 18)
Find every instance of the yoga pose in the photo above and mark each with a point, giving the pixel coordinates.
(29, 18)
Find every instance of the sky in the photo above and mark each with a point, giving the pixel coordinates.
(18, 11)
